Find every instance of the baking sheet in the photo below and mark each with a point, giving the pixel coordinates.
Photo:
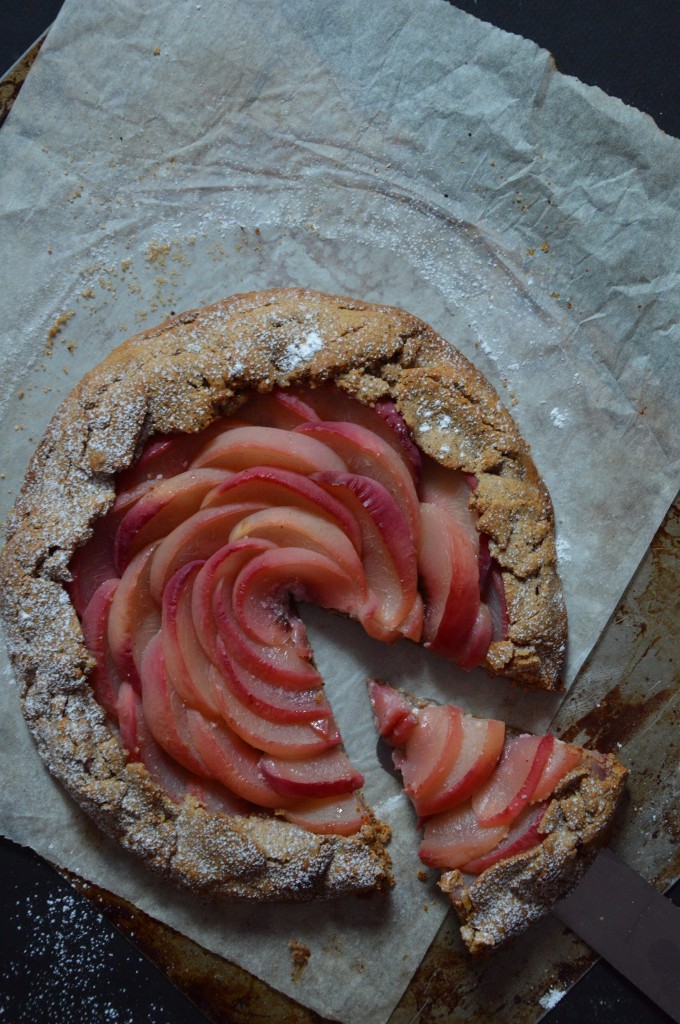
(406, 155)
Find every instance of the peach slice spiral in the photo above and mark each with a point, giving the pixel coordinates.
(188, 590)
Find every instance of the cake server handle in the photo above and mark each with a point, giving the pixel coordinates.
(631, 925)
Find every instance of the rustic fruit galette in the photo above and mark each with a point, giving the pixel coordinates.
(209, 476)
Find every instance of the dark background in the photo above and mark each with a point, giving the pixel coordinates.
(60, 962)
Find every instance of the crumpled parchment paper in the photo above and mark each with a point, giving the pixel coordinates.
(162, 156)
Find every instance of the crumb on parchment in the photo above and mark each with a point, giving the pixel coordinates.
(300, 954)
(56, 328)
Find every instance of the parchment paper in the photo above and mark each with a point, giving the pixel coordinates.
(164, 155)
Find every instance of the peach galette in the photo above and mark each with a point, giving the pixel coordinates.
(198, 485)
(510, 819)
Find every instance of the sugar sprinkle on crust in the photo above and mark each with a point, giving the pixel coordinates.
(180, 376)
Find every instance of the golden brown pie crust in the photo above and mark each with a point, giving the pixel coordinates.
(179, 377)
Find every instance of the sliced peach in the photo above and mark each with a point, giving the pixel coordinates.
(275, 703)
(195, 540)
(474, 650)
(450, 582)
(288, 527)
(290, 740)
(449, 490)
(166, 455)
(187, 665)
(223, 565)
(431, 749)
(339, 816)
(263, 588)
(162, 456)
(161, 508)
(524, 835)
(385, 420)
(394, 716)
(326, 774)
(249, 447)
(232, 762)
(268, 486)
(563, 758)
(388, 412)
(135, 617)
(455, 837)
(478, 755)
(129, 713)
(412, 626)
(93, 563)
(142, 747)
(217, 799)
(434, 566)
(105, 678)
(512, 785)
(287, 664)
(277, 409)
(388, 556)
(366, 454)
(164, 712)
(495, 599)
(126, 499)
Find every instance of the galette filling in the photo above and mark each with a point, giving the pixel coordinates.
(480, 794)
(188, 592)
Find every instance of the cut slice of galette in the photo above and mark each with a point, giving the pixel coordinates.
(198, 485)
(510, 820)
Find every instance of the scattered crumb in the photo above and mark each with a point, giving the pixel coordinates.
(300, 954)
(545, 247)
(20, 393)
(157, 51)
(422, 875)
(88, 293)
(158, 252)
(56, 329)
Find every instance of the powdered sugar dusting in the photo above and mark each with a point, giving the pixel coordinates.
(559, 416)
(551, 998)
(64, 950)
(300, 350)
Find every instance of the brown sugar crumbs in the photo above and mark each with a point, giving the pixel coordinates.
(56, 329)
